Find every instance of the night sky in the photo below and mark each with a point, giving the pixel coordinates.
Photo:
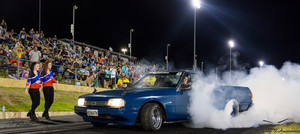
(262, 29)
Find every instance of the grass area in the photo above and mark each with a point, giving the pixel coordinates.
(287, 128)
(290, 128)
(15, 100)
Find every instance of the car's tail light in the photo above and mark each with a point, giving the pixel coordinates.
(251, 95)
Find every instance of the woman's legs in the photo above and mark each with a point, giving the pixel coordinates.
(35, 98)
(49, 96)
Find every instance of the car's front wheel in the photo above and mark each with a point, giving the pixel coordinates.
(151, 117)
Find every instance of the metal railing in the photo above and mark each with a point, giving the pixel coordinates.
(97, 48)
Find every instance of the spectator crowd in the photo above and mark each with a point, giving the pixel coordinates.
(81, 64)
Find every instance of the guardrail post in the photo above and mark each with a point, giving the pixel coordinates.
(18, 71)
(111, 82)
(75, 75)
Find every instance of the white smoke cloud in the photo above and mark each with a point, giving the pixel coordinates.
(276, 96)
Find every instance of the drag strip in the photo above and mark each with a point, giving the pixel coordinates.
(56, 124)
(75, 125)
(47, 127)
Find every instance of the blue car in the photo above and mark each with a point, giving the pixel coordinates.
(155, 98)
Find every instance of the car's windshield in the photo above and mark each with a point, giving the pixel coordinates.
(159, 80)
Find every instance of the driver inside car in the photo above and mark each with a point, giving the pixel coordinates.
(187, 82)
(159, 82)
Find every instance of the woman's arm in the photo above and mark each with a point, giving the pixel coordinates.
(27, 85)
(69, 70)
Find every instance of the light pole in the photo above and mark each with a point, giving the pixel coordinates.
(202, 65)
(261, 63)
(167, 58)
(40, 15)
(197, 5)
(73, 26)
(231, 45)
(124, 50)
(130, 44)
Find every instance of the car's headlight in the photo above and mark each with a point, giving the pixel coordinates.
(117, 102)
(81, 102)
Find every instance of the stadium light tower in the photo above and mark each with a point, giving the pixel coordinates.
(124, 50)
(130, 44)
(231, 45)
(197, 5)
(73, 25)
(167, 57)
(261, 63)
(40, 15)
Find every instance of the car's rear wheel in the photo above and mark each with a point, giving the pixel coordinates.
(96, 124)
(151, 117)
(232, 108)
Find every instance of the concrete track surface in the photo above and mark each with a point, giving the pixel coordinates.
(75, 125)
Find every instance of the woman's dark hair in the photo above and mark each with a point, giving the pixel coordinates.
(32, 66)
(46, 65)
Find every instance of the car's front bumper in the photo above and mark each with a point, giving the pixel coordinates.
(122, 116)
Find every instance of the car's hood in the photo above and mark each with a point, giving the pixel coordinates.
(105, 95)
(138, 90)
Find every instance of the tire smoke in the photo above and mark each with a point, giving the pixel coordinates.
(276, 96)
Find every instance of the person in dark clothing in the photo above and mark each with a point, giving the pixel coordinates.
(12, 70)
(101, 76)
(4, 26)
(34, 85)
(3, 52)
(22, 36)
(48, 89)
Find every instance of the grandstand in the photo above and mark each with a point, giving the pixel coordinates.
(73, 62)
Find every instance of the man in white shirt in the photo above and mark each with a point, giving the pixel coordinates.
(113, 73)
(85, 71)
(35, 55)
(18, 44)
(94, 69)
(87, 49)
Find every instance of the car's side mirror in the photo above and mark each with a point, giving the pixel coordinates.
(185, 88)
(127, 85)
